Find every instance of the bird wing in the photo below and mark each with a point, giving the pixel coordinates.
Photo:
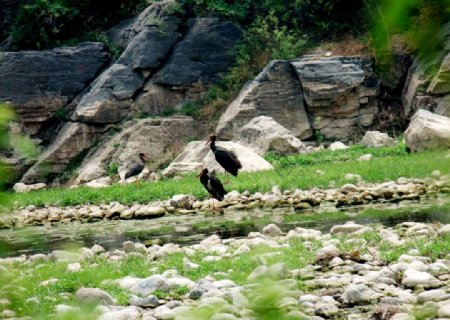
(135, 170)
(227, 155)
(217, 185)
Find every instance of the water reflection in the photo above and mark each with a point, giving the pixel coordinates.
(189, 229)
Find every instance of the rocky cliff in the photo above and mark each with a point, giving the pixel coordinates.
(165, 63)
(80, 101)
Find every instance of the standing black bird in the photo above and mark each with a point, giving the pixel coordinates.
(226, 158)
(137, 168)
(212, 185)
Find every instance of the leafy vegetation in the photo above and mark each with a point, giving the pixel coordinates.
(297, 171)
(43, 24)
(418, 22)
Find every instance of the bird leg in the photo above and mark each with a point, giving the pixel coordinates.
(213, 207)
(226, 178)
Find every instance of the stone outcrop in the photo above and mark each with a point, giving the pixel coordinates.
(377, 139)
(197, 155)
(158, 138)
(122, 33)
(155, 54)
(38, 83)
(276, 93)
(340, 93)
(264, 134)
(112, 93)
(198, 60)
(74, 138)
(415, 96)
(441, 82)
(422, 91)
(428, 131)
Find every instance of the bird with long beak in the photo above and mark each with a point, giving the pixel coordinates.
(137, 168)
(226, 158)
(213, 185)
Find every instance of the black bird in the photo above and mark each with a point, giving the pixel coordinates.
(213, 185)
(226, 158)
(137, 168)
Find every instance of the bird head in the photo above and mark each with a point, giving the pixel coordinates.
(212, 138)
(203, 172)
(143, 157)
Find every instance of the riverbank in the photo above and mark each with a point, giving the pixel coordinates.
(348, 195)
(322, 169)
(352, 272)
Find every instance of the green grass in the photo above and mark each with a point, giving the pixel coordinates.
(290, 172)
(296, 255)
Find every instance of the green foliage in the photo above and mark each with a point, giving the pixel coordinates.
(6, 115)
(72, 167)
(113, 169)
(44, 24)
(353, 152)
(299, 171)
(419, 22)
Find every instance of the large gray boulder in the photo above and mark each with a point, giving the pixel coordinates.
(264, 134)
(197, 155)
(122, 33)
(414, 95)
(109, 100)
(275, 92)
(377, 139)
(340, 93)
(428, 131)
(158, 138)
(443, 106)
(149, 47)
(207, 49)
(38, 83)
(197, 61)
(74, 138)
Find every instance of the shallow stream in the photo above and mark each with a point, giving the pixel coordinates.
(189, 229)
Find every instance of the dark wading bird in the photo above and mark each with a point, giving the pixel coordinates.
(137, 168)
(212, 185)
(226, 158)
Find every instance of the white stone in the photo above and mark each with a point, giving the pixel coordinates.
(22, 187)
(74, 267)
(264, 134)
(365, 157)
(377, 139)
(347, 228)
(272, 230)
(337, 146)
(413, 278)
(428, 131)
(99, 183)
(197, 155)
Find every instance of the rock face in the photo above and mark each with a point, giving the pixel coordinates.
(197, 61)
(276, 93)
(264, 134)
(197, 155)
(155, 55)
(414, 96)
(421, 91)
(340, 93)
(155, 137)
(74, 138)
(441, 82)
(38, 83)
(428, 131)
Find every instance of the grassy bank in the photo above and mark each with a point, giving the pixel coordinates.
(296, 254)
(297, 171)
